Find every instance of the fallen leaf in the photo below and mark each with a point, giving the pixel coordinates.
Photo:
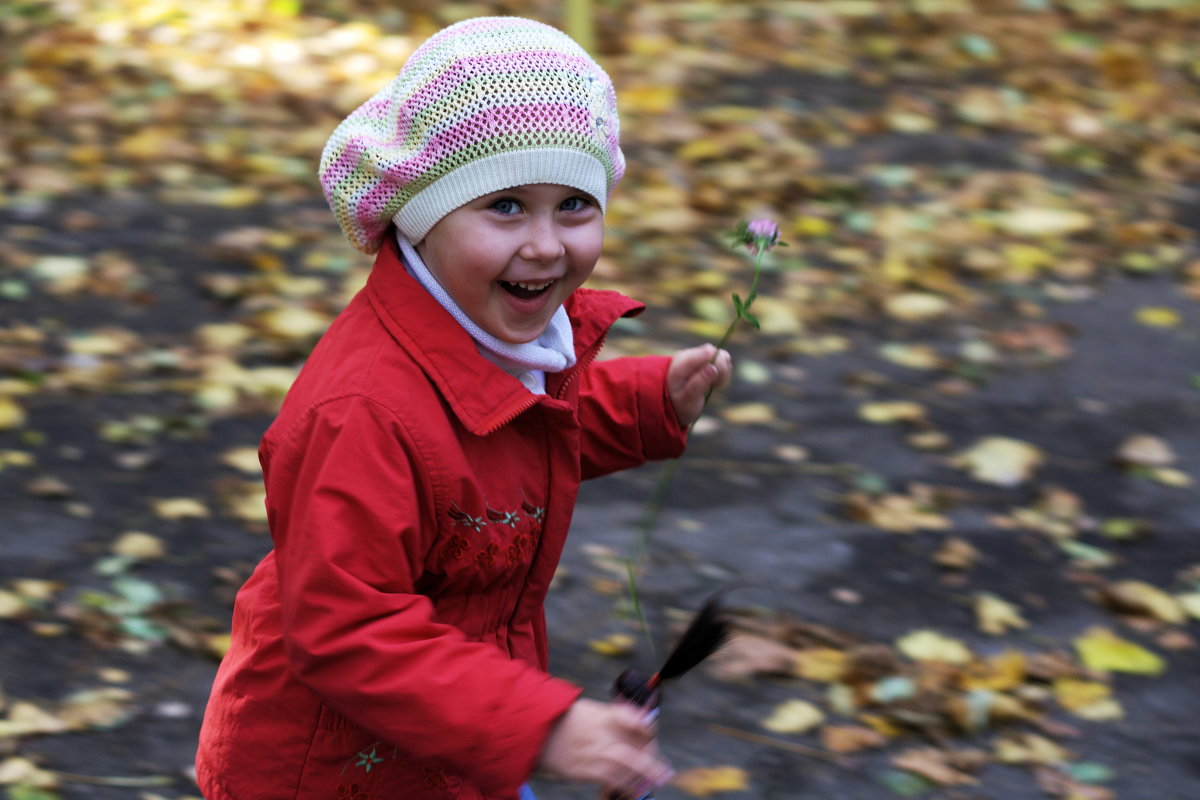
(851, 738)
(1175, 478)
(746, 655)
(17, 771)
(1144, 450)
(916, 306)
(244, 459)
(1029, 748)
(12, 415)
(1001, 461)
(614, 645)
(892, 411)
(1139, 597)
(1044, 222)
(179, 508)
(139, 546)
(956, 553)
(12, 605)
(1190, 603)
(927, 645)
(932, 764)
(1101, 649)
(749, 414)
(707, 781)
(822, 664)
(996, 616)
(1089, 700)
(1158, 317)
(794, 716)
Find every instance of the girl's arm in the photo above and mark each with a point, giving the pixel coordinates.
(638, 409)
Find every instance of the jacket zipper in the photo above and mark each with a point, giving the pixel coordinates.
(581, 365)
(520, 408)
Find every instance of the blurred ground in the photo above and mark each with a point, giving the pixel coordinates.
(992, 223)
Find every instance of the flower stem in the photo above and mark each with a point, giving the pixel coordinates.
(657, 499)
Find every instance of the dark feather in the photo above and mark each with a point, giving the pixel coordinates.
(708, 631)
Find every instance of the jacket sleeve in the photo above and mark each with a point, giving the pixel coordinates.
(626, 415)
(355, 523)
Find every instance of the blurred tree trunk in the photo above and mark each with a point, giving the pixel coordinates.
(580, 23)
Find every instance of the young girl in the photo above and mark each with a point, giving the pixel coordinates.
(422, 472)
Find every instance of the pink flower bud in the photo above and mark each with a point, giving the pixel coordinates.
(761, 234)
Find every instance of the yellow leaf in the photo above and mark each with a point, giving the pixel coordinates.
(916, 306)
(702, 149)
(892, 411)
(812, 226)
(647, 99)
(1144, 450)
(749, 414)
(179, 508)
(1044, 222)
(139, 546)
(822, 664)
(1025, 260)
(927, 645)
(1087, 699)
(956, 553)
(1158, 317)
(794, 716)
(1190, 603)
(12, 605)
(613, 646)
(998, 673)
(1029, 748)
(247, 502)
(1138, 597)
(294, 323)
(218, 644)
(1101, 649)
(244, 459)
(21, 772)
(1169, 476)
(1001, 461)
(913, 356)
(11, 414)
(996, 615)
(706, 781)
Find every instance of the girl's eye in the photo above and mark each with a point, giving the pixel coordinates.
(506, 205)
(575, 204)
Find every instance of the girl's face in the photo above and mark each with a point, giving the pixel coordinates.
(510, 258)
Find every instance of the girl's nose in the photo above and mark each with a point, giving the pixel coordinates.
(543, 241)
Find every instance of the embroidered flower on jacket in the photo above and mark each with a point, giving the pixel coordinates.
(455, 547)
(351, 792)
(509, 518)
(368, 760)
(432, 778)
(486, 558)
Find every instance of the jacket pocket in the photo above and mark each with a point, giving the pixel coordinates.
(345, 762)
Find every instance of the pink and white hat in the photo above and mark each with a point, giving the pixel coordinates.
(483, 105)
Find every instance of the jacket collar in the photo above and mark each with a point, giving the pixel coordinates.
(480, 394)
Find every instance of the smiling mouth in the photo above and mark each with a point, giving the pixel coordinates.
(524, 289)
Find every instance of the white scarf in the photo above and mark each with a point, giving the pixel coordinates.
(552, 351)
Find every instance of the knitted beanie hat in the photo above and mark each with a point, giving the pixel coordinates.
(485, 104)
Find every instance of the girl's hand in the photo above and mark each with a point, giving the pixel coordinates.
(692, 374)
(610, 744)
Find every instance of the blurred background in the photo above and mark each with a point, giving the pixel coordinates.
(955, 474)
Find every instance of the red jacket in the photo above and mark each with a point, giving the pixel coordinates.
(393, 644)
